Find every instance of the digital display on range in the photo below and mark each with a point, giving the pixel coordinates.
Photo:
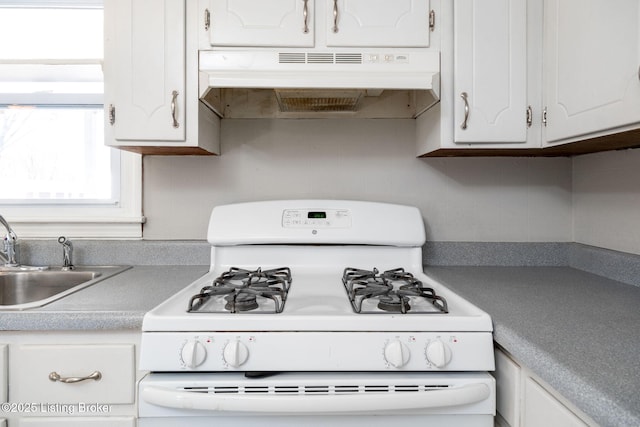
(317, 215)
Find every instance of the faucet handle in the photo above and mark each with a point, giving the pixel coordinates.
(10, 233)
(67, 250)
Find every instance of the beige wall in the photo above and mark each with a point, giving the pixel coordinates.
(606, 200)
(462, 199)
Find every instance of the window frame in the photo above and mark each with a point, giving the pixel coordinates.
(122, 219)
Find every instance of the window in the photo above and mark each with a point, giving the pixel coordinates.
(59, 177)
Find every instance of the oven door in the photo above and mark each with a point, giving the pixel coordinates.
(317, 399)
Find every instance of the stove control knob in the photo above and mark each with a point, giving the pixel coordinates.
(396, 354)
(438, 353)
(235, 353)
(193, 354)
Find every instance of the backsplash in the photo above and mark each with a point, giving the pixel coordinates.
(615, 265)
(462, 199)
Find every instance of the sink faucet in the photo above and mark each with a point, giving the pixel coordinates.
(67, 252)
(8, 255)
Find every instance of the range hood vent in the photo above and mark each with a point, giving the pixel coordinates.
(267, 83)
(308, 100)
(319, 58)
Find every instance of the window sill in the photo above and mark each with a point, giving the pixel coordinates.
(86, 228)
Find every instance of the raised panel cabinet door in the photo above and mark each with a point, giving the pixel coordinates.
(591, 65)
(262, 23)
(541, 409)
(377, 23)
(147, 53)
(490, 77)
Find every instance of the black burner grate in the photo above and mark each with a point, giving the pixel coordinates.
(239, 291)
(392, 291)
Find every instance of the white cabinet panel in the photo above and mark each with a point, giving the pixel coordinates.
(592, 55)
(34, 364)
(79, 422)
(147, 53)
(262, 23)
(543, 410)
(400, 23)
(4, 383)
(507, 376)
(490, 71)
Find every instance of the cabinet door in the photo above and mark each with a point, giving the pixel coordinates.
(262, 23)
(490, 71)
(591, 55)
(543, 410)
(145, 47)
(4, 383)
(401, 23)
(507, 375)
(78, 422)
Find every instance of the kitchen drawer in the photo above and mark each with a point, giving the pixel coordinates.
(73, 422)
(32, 364)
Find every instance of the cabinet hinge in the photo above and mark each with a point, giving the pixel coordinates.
(544, 117)
(432, 20)
(207, 19)
(112, 114)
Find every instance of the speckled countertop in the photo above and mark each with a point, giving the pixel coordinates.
(118, 302)
(576, 330)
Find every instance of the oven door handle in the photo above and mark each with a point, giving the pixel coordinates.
(305, 404)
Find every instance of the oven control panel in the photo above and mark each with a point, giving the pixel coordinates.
(318, 351)
(316, 218)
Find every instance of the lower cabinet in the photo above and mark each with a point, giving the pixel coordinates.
(523, 400)
(78, 421)
(541, 408)
(69, 378)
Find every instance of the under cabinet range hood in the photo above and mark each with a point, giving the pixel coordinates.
(319, 83)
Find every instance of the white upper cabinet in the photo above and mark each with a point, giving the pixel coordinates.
(147, 52)
(309, 23)
(262, 23)
(490, 71)
(490, 80)
(374, 23)
(592, 59)
(151, 79)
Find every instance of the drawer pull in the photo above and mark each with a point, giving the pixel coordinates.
(95, 375)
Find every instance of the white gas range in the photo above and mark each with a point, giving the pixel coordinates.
(316, 307)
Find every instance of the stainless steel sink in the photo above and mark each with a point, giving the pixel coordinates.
(21, 290)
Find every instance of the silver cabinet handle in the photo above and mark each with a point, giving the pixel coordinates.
(335, 16)
(464, 97)
(529, 116)
(112, 114)
(305, 14)
(95, 375)
(174, 95)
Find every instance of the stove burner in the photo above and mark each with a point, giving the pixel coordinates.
(240, 302)
(239, 290)
(394, 304)
(394, 291)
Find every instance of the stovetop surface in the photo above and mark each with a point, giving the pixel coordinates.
(316, 301)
